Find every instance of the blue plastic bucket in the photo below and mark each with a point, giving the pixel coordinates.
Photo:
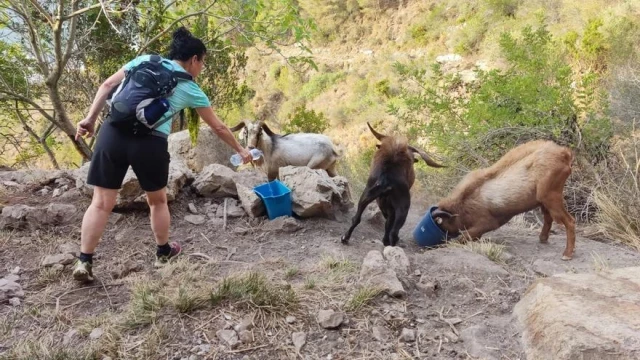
(427, 232)
(276, 197)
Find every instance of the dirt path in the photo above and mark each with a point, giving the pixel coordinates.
(458, 303)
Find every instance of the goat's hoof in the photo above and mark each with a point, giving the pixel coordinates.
(344, 240)
(565, 257)
(544, 241)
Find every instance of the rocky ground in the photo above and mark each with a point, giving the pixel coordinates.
(249, 288)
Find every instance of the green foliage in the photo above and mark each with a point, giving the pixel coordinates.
(504, 7)
(303, 120)
(383, 88)
(533, 98)
(319, 83)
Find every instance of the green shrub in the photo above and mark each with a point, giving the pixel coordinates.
(303, 120)
(537, 96)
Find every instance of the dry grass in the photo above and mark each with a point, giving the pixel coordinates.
(599, 264)
(491, 250)
(254, 290)
(146, 301)
(188, 298)
(362, 297)
(618, 195)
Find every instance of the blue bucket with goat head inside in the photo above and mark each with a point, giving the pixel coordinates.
(427, 233)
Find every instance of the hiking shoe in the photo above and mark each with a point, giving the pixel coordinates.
(164, 259)
(82, 271)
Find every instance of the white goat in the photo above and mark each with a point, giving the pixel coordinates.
(316, 151)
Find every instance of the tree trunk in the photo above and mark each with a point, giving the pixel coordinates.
(65, 124)
(52, 157)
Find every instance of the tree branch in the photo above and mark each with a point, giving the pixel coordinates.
(13, 96)
(42, 11)
(82, 11)
(34, 39)
(72, 37)
(145, 46)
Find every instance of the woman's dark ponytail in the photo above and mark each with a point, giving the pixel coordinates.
(184, 45)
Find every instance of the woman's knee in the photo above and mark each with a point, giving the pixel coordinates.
(157, 198)
(104, 199)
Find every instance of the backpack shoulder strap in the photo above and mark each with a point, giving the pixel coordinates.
(182, 75)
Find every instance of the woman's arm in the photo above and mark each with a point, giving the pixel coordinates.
(102, 94)
(209, 117)
(87, 125)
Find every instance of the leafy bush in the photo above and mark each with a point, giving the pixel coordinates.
(477, 122)
(303, 120)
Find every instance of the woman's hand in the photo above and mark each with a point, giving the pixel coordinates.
(85, 127)
(246, 156)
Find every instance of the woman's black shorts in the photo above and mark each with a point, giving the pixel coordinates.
(115, 150)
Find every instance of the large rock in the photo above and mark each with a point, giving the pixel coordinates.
(376, 272)
(397, 259)
(131, 194)
(219, 181)
(208, 149)
(314, 193)
(245, 182)
(216, 181)
(32, 177)
(30, 217)
(582, 316)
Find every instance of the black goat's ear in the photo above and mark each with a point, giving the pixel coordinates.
(237, 127)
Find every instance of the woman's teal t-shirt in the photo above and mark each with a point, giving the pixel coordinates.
(187, 94)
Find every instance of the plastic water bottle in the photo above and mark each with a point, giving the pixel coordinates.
(236, 159)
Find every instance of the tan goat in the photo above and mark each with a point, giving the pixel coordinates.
(528, 176)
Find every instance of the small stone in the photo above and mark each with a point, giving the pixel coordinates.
(380, 333)
(451, 336)
(195, 219)
(290, 319)
(330, 319)
(64, 259)
(16, 270)
(428, 287)
(204, 349)
(408, 335)
(10, 289)
(68, 337)
(299, 339)
(68, 248)
(246, 337)
(193, 208)
(96, 333)
(417, 273)
(228, 337)
(245, 324)
(15, 302)
(12, 277)
(58, 268)
(56, 192)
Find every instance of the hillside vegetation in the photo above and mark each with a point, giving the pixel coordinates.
(468, 80)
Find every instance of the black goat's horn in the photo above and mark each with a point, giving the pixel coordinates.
(375, 133)
(425, 157)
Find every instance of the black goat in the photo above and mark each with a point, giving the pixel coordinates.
(390, 180)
